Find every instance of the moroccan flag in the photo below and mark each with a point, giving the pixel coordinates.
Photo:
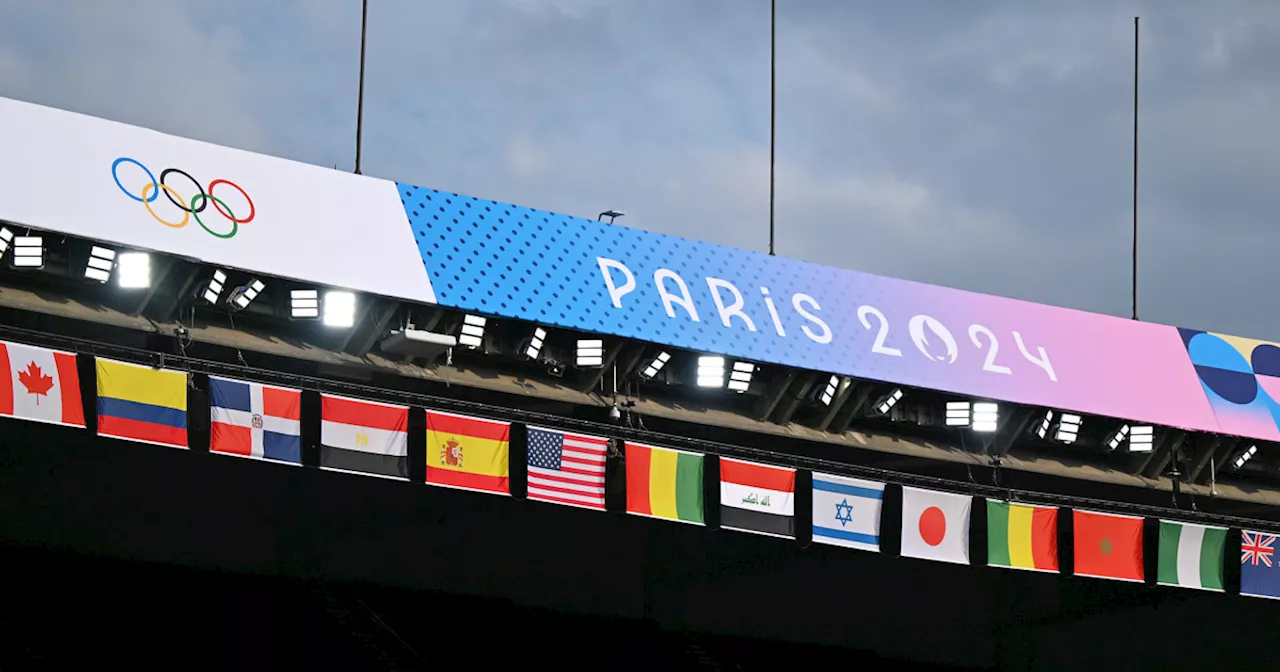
(1191, 556)
(43, 385)
(1022, 536)
(664, 483)
(468, 453)
(1108, 546)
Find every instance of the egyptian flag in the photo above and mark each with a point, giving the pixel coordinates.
(364, 437)
(757, 498)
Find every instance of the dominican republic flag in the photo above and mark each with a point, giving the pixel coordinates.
(43, 385)
(935, 525)
(757, 498)
(255, 420)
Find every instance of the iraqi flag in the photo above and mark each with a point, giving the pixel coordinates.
(42, 385)
(757, 498)
(255, 420)
(935, 525)
(364, 437)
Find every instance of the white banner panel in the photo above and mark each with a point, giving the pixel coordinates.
(139, 188)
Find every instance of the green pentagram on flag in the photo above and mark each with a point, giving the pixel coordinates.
(1106, 546)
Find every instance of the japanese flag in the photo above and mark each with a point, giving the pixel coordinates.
(935, 525)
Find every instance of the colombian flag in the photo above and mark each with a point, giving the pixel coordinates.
(468, 453)
(139, 403)
(664, 483)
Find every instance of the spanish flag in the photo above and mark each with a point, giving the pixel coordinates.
(664, 483)
(139, 403)
(468, 453)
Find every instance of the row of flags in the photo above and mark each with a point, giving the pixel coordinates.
(259, 421)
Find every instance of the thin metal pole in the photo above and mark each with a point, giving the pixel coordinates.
(773, 107)
(1135, 167)
(364, 23)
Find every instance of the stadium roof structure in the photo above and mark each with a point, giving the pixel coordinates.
(231, 261)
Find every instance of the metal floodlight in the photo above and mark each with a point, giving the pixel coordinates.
(986, 417)
(535, 343)
(888, 401)
(304, 304)
(213, 291)
(6, 239)
(590, 352)
(740, 377)
(244, 295)
(829, 392)
(1246, 456)
(339, 309)
(133, 270)
(958, 413)
(1141, 438)
(1117, 437)
(28, 252)
(656, 365)
(710, 371)
(1068, 428)
(1042, 427)
(101, 261)
(472, 333)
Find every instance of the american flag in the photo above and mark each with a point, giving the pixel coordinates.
(1256, 547)
(566, 468)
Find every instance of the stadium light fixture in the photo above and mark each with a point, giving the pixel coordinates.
(339, 308)
(740, 376)
(133, 270)
(1042, 427)
(6, 239)
(1117, 437)
(958, 413)
(1068, 428)
(829, 392)
(1141, 438)
(710, 371)
(986, 417)
(1246, 456)
(590, 352)
(28, 252)
(101, 261)
(535, 343)
(888, 401)
(304, 304)
(656, 365)
(242, 296)
(471, 335)
(213, 291)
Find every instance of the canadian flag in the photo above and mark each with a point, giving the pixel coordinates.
(42, 385)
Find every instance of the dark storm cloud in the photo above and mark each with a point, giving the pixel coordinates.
(978, 145)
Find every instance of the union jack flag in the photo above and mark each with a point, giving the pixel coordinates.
(1256, 547)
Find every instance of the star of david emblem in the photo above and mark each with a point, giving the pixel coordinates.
(256, 421)
(844, 512)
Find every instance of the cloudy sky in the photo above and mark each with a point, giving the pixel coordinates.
(981, 145)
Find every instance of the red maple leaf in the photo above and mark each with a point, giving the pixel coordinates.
(35, 381)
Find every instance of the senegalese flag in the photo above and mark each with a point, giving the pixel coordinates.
(1191, 555)
(1022, 536)
(139, 403)
(468, 453)
(664, 483)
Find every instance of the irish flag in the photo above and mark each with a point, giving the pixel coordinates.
(664, 483)
(1022, 536)
(1191, 556)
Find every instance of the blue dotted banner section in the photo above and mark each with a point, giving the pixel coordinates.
(504, 260)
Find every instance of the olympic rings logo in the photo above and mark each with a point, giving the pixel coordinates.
(192, 208)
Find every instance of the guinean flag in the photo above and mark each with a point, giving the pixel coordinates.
(1108, 546)
(664, 483)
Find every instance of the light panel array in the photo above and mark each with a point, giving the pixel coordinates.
(986, 417)
(1068, 428)
(710, 371)
(28, 252)
(890, 400)
(829, 392)
(101, 261)
(590, 352)
(472, 332)
(1042, 428)
(958, 413)
(244, 295)
(133, 270)
(214, 291)
(656, 365)
(740, 377)
(6, 239)
(339, 308)
(535, 343)
(1246, 456)
(1141, 438)
(304, 304)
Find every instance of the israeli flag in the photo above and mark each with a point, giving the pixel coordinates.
(846, 511)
